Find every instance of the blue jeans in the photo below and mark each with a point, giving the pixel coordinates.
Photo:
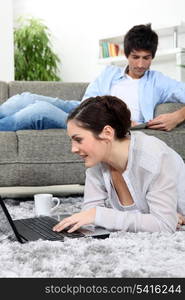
(31, 111)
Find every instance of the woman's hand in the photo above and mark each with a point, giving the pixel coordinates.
(77, 220)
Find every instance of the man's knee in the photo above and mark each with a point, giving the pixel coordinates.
(41, 107)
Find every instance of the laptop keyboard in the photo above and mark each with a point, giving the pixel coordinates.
(44, 225)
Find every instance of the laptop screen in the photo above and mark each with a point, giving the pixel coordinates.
(5, 228)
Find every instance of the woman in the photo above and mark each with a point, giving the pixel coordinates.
(134, 182)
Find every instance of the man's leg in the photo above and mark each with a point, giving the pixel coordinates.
(40, 115)
(20, 101)
(65, 105)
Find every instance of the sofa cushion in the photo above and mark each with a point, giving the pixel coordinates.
(8, 147)
(46, 156)
(40, 174)
(66, 91)
(9, 168)
(38, 157)
(45, 146)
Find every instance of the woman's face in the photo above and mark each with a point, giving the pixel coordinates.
(84, 143)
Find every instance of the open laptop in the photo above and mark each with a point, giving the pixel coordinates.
(32, 229)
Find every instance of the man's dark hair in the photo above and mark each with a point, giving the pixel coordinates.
(141, 37)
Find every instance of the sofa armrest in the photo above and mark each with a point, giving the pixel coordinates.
(168, 108)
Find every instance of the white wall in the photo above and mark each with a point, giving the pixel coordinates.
(77, 25)
(6, 41)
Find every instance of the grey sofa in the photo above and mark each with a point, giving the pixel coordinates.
(41, 160)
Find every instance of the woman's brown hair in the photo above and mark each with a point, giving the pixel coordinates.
(95, 113)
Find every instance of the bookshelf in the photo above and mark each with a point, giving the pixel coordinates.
(166, 54)
(171, 48)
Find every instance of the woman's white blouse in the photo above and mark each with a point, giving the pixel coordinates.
(155, 177)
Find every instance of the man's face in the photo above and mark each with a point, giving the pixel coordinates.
(139, 62)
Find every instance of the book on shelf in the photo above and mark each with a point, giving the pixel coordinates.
(110, 50)
(105, 49)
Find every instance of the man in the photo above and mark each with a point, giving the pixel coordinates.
(141, 88)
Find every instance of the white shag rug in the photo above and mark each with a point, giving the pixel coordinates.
(122, 255)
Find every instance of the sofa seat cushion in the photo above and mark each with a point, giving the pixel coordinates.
(45, 146)
(8, 147)
(39, 158)
(45, 158)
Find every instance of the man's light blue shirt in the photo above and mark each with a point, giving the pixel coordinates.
(154, 88)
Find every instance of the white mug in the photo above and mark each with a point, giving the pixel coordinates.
(44, 204)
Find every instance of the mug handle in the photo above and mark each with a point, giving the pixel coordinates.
(58, 202)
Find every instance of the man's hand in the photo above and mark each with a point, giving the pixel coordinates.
(77, 220)
(166, 122)
(133, 123)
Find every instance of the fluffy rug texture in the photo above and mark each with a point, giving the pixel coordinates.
(123, 254)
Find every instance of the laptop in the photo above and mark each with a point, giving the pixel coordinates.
(32, 229)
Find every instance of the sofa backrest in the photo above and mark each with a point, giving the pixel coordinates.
(62, 90)
(3, 91)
